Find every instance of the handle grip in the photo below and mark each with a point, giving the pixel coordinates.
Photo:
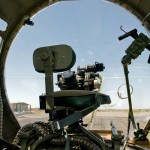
(132, 33)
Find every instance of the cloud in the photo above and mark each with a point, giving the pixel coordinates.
(139, 80)
(90, 52)
(82, 59)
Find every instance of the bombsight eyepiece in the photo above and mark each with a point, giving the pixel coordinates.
(84, 79)
(92, 68)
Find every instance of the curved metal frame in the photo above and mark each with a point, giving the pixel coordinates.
(15, 21)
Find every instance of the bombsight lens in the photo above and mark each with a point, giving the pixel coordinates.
(99, 67)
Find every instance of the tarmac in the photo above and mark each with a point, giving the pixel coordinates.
(101, 119)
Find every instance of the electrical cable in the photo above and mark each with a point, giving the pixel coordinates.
(119, 94)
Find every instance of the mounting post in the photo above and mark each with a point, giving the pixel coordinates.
(48, 63)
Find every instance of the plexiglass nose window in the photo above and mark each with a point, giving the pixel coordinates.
(92, 29)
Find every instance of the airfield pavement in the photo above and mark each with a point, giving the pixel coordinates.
(101, 119)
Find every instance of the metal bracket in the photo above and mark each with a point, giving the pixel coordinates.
(48, 63)
(116, 138)
(54, 125)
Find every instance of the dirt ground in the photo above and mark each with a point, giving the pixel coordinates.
(100, 121)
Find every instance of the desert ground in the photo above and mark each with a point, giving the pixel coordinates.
(100, 121)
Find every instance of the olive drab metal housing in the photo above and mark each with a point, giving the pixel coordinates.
(52, 59)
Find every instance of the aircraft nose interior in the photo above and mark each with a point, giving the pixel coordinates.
(73, 113)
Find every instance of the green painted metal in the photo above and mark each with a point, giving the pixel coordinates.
(9, 12)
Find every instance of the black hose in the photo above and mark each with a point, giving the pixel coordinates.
(44, 139)
(75, 141)
(94, 138)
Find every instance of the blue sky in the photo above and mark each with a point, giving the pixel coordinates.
(91, 28)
